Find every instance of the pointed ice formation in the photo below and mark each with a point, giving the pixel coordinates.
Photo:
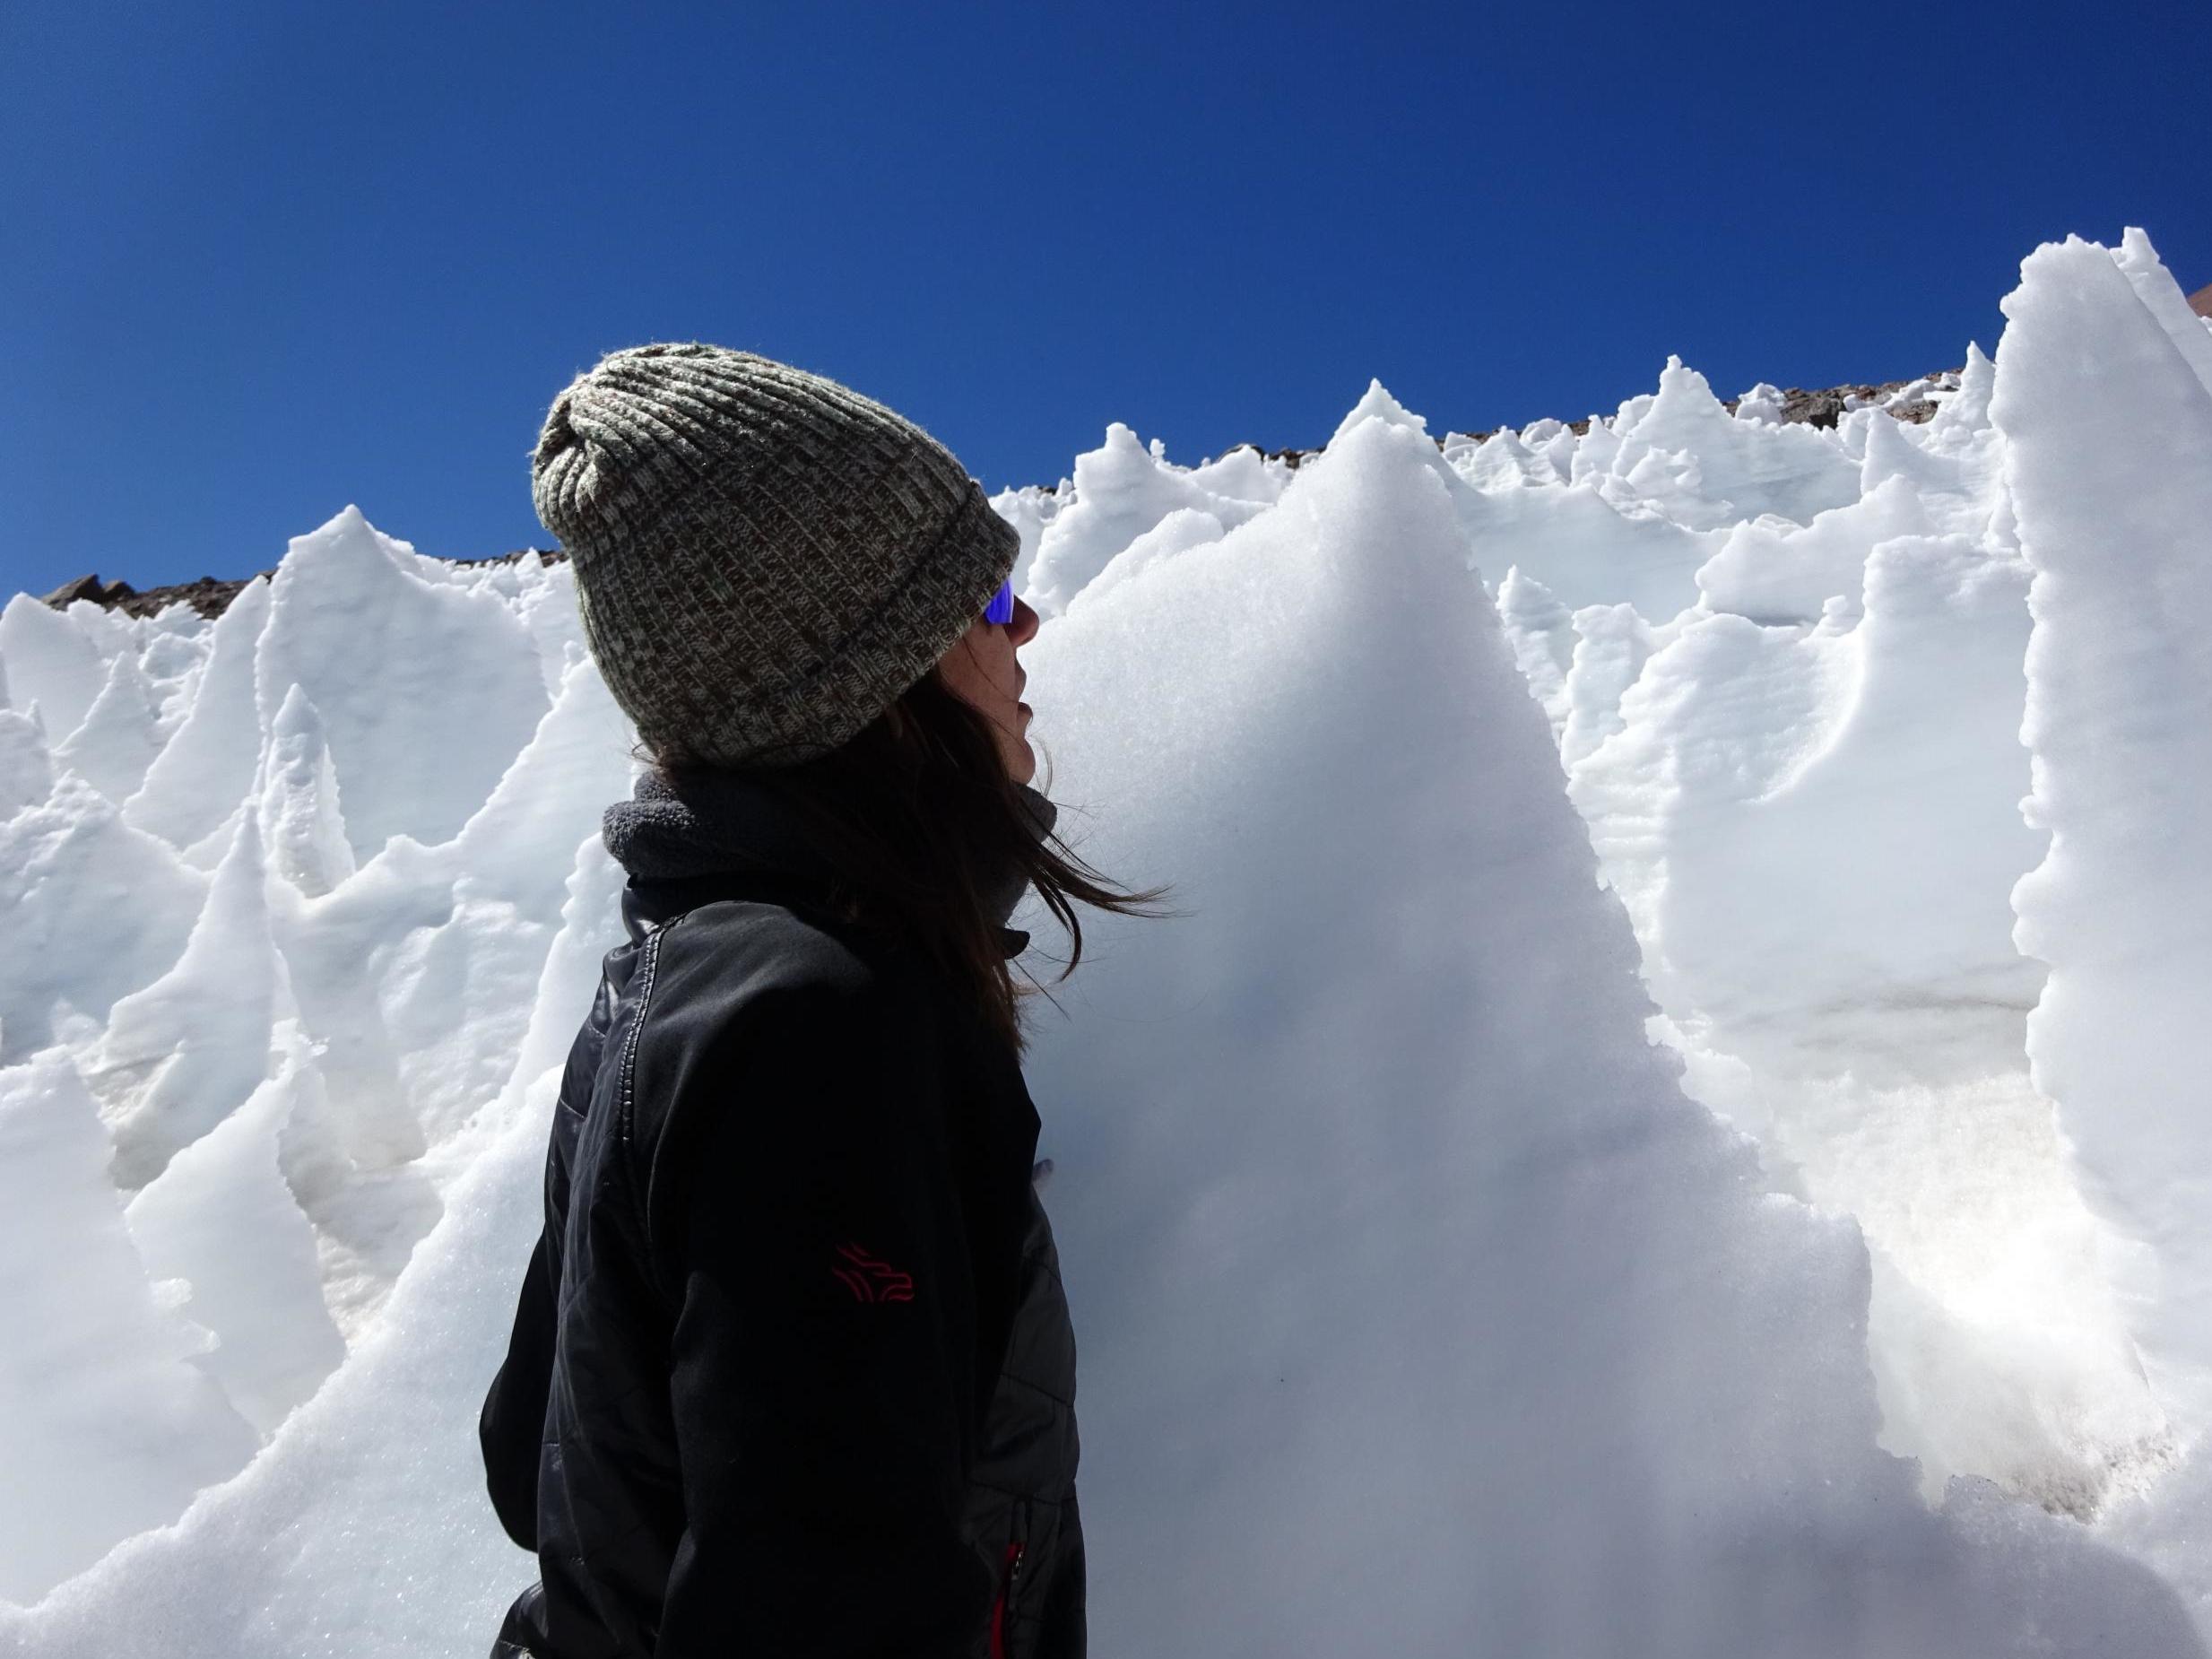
(1122, 490)
(107, 1427)
(1815, 830)
(1542, 632)
(1503, 461)
(120, 735)
(2162, 297)
(1029, 511)
(302, 825)
(1594, 455)
(518, 846)
(1762, 405)
(222, 1219)
(427, 691)
(1180, 531)
(185, 1053)
(45, 658)
(1741, 467)
(2108, 430)
(26, 770)
(1612, 642)
(95, 910)
(1464, 1250)
(1965, 413)
(108, 631)
(547, 606)
(1892, 451)
(1378, 404)
(369, 1207)
(373, 1454)
(1556, 443)
(207, 767)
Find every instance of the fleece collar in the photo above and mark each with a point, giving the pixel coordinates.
(717, 822)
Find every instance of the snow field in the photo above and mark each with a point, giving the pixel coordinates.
(1513, 789)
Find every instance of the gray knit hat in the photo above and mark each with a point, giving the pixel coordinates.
(764, 558)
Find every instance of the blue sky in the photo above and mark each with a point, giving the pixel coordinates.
(262, 261)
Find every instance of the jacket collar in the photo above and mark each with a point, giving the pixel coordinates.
(702, 828)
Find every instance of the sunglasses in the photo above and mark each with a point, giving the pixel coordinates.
(1001, 606)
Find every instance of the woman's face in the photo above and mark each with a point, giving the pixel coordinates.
(981, 670)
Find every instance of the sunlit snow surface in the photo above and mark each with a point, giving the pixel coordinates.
(1776, 1218)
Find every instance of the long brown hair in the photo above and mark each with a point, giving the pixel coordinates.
(917, 812)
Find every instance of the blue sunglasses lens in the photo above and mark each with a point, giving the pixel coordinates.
(1001, 606)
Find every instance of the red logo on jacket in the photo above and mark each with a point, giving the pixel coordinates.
(869, 1279)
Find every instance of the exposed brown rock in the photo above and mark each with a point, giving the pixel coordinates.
(1826, 407)
(89, 587)
(1799, 407)
(2200, 302)
(210, 596)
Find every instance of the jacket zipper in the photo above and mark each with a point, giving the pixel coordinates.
(1006, 1596)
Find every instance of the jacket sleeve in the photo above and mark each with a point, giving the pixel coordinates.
(808, 1239)
(511, 1428)
(512, 1424)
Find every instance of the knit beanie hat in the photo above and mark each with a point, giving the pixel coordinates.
(765, 559)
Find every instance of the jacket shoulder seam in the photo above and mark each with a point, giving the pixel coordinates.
(626, 1097)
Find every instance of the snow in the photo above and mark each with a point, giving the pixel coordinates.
(26, 770)
(106, 1427)
(350, 613)
(96, 910)
(46, 658)
(1539, 1292)
(207, 767)
(1681, 451)
(297, 812)
(1634, 1143)
(221, 1220)
(2108, 419)
(1121, 491)
(120, 735)
(179, 1056)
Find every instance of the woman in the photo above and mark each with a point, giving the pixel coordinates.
(792, 1372)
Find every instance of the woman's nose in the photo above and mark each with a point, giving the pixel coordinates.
(1023, 628)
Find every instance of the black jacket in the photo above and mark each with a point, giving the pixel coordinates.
(791, 1373)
